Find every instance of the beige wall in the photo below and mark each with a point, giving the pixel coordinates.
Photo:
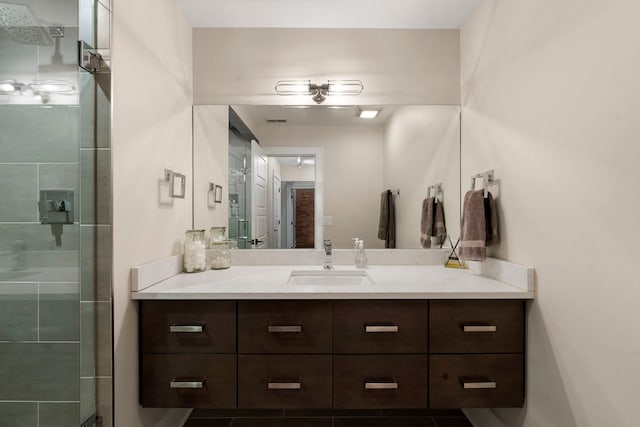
(210, 164)
(152, 98)
(242, 66)
(422, 148)
(352, 176)
(550, 101)
(294, 173)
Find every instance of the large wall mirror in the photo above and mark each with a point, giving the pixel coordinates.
(291, 177)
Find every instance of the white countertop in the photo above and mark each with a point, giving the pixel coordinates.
(389, 282)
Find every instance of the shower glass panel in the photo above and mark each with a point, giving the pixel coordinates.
(55, 309)
(239, 189)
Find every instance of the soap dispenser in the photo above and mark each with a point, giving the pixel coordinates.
(361, 256)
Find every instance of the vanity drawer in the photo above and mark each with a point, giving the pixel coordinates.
(476, 326)
(380, 326)
(188, 381)
(284, 327)
(388, 381)
(476, 381)
(188, 326)
(284, 381)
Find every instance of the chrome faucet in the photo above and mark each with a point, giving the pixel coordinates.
(327, 255)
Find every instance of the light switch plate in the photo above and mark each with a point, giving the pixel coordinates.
(327, 220)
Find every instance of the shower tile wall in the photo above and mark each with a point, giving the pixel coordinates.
(55, 301)
(39, 282)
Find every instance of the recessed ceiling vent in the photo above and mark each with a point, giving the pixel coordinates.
(276, 120)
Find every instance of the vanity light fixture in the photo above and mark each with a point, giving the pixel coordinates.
(7, 86)
(319, 91)
(51, 86)
(12, 87)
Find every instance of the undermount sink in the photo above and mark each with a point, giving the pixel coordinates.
(329, 277)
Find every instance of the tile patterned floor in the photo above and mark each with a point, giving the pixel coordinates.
(327, 418)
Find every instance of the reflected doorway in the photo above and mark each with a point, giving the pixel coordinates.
(298, 214)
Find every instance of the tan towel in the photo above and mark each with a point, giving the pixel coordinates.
(387, 223)
(479, 226)
(426, 222)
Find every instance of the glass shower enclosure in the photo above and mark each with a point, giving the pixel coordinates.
(239, 189)
(55, 215)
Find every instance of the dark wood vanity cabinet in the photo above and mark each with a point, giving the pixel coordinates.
(332, 354)
(188, 354)
(476, 353)
(380, 354)
(284, 354)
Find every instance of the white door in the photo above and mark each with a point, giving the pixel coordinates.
(277, 210)
(258, 197)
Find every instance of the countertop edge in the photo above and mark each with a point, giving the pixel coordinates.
(516, 295)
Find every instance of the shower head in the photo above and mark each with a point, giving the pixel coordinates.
(18, 20)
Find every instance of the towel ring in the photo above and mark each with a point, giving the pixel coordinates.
(487, 179)
(437, 189)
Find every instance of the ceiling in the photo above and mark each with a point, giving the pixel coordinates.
(391, 14)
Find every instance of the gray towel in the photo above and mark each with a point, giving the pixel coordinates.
(432, 222)
(479, 226)
(439, 227)
(387, 223)
(384, 216)
(491, 215)
(426, 222)
(391, 235)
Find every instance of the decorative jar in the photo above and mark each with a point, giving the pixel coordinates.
(220, 256)
(194, 251)
(216, 235)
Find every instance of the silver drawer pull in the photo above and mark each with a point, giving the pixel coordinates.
(284, 386)
(186, 328)
(284, 328)
(478, 385)
(473, 328)
(186, 384)
(390, 328)
(377, 385)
